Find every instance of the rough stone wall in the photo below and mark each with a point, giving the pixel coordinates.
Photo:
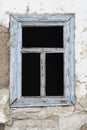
(2, 127)
(4, 73)
(45, 118)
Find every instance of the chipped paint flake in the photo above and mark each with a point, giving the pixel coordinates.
(83, 91)
(3, 100)
(2, 117)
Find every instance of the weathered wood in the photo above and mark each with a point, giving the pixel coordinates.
(46, 101)
(13, 60)
(42, 50)
(72, 61)
(44, 24)
(43, 17)
(16, 23)
(43, 75)
(69, 60)
(19, 45)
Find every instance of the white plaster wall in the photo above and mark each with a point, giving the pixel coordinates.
(79, 7)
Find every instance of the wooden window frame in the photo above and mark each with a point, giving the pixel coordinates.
(16, 24)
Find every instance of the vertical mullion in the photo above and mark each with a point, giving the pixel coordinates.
(43, 74)
(64, 60)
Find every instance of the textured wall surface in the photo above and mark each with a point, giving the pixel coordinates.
(46, 118)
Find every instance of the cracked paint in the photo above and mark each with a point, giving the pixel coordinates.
(2, 117)
(3, 100)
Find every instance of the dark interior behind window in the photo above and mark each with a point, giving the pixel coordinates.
(31, 74)
(51, 36)
(42, 36)
(54, 74)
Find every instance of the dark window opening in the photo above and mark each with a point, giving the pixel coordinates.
(31, 74)
(54, 74)
(44, 67)
(51, 36)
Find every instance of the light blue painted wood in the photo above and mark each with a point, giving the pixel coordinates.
(43, 74)
(19, 46)
(69, 60)
(72, 59)
(16, 23)
(42, 50)
(44, 17)
(13, 59)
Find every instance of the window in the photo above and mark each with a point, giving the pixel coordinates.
(41, 60)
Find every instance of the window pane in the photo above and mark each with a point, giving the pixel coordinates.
(54, 74)
(42, 36)
(31, 74)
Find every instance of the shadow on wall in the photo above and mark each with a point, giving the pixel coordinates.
(84, 127)
(4, 57)
(1, 127)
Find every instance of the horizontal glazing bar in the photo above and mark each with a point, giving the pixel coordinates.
(42, 50)
(44, 24)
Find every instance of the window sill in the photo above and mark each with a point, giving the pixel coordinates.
(41, 102)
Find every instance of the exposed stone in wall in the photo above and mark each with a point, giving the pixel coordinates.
(4, 75)
(73, 122)
(4, 57)
(29, 124)
(4, 105)
(41, 113)
(33, 120)
(1, 127)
